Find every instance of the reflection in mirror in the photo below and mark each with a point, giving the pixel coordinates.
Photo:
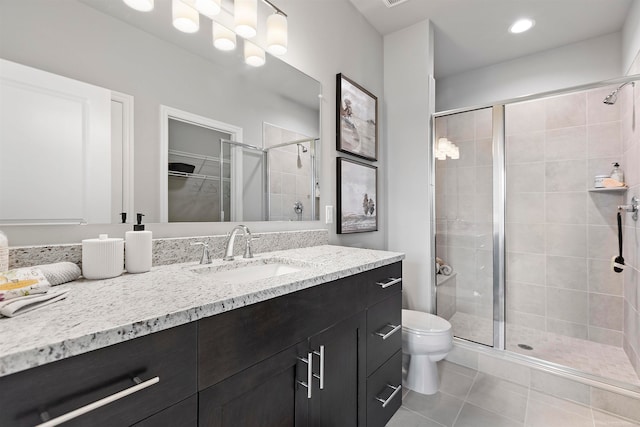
(212, 177)
(107, 44)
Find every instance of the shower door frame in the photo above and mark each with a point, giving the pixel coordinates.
(499, 203)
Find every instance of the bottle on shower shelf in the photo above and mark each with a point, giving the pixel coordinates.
(617, 173)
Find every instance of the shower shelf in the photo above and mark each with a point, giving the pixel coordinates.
(609, 190)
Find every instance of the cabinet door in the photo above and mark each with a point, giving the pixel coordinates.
(268, 394)
(341, 401)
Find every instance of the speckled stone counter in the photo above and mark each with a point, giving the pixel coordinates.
(104, 312)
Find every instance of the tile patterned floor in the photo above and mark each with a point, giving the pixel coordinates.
(599, 359)
(468, 398)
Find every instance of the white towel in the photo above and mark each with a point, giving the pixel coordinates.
(60, 272)
(21, 305)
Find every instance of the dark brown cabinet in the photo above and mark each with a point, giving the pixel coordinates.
(314, 358)
(160, 366)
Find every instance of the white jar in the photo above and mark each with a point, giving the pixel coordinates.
(102, 258)
(598, 181)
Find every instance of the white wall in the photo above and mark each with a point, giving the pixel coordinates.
(579, 63)
(407, 109)
(326, 37)
(631, 37)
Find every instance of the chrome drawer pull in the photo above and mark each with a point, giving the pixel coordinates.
(321, 376)
(396, 390)
(395, 329)
(391, 282)
(98, 403)
(308, 384)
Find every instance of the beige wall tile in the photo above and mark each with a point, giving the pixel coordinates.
(602, 279)
(566, 144)
(525, 178)
(568, 305)
(527, 208)
(525, 267)
(603, 207)
(566, 240)
(525, 238)
(605, 311)
(525, 147)
(566, 111)
(561, 327)
(604, 140)
(566, 208)
(615, 403)
(605, 336)
(560, 387)
(603, 242)
(525, 117)
(567, 175)
(598, 111)
(526, 298)
(567, 272)
(504, 369)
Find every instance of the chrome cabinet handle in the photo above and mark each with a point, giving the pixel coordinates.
(308, 384)
(98, 403)
(395, 328)
(386, 401)
(321, 376)
(392, 281)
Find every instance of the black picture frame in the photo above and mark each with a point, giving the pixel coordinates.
(356, 119)
(357, 190)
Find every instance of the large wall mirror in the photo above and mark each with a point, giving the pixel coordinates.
(105, 44)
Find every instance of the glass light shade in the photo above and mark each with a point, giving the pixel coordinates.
(246, 18)
(223, 38)
(455, 154)
(253, 55)
(440, 155)
(185, 18)
(140, 5)
(277, 35)
(207, 7)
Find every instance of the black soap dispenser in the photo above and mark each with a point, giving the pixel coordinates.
(138, 252)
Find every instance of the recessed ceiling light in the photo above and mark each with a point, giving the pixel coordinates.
(521, 25)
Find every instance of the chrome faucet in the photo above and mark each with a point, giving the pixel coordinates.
(206, 257)
(228, 252)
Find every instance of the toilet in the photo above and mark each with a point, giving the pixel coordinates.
(426, 339)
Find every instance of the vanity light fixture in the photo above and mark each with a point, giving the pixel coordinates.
(208, 8)
(521, 25)
(246, 18)
(140, 5)
(277, 34)
(253, 55)
(185, 18)
(223, 38)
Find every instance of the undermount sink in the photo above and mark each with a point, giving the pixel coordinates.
(247, 272)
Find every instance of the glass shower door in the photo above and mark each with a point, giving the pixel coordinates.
(464, 223)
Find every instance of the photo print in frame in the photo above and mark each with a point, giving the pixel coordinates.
(357, 196)
(357, 119)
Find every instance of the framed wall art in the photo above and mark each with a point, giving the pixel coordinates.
(357, 120)
(357, 196)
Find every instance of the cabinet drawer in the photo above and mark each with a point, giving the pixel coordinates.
(384, 331)
(383, 281)
(183, 414)
(384, 392)
(61, 387)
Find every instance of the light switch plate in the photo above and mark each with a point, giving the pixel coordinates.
(328, 214)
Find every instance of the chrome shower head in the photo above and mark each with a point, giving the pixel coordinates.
(613, 96)
(304, 149)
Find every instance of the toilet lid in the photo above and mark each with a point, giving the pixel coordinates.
(423, 322)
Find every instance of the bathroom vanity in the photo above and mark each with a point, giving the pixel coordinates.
(320, 345)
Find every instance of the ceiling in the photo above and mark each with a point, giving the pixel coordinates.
(471, 34)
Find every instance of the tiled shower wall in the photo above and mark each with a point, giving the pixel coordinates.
(290, 175)
(560, 236)
(631, 149)
(464, 213)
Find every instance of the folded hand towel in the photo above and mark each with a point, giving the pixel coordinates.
(21, 305)
(60, 272)
(22, 282)
(612, 183)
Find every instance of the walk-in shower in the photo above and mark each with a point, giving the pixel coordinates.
(528, 236)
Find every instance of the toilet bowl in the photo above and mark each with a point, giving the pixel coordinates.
(426, 339)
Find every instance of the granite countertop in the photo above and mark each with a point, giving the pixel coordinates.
(98, 313)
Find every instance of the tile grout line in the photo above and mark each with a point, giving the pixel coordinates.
(455, 420)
